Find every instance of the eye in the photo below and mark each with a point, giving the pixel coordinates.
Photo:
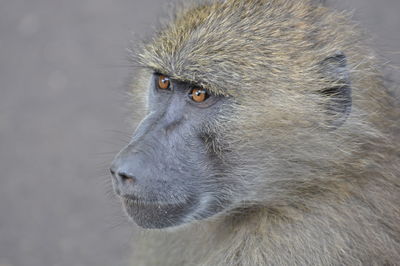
(199, 95)
(164, 82)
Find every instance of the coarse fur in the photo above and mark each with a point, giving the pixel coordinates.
(307, 190)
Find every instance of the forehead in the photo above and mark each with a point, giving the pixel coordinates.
(222, 45)
(179, 50)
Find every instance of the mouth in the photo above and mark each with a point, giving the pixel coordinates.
(157, 215)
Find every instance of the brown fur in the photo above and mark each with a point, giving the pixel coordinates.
(321, 196)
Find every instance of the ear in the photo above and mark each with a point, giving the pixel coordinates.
(338, 97)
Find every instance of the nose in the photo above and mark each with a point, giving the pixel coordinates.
(127, 170)
(123, 181)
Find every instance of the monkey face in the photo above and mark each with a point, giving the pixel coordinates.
(196, 154)
(168, 175)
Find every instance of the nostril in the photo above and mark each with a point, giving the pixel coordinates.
(126, 177)
(112, 172)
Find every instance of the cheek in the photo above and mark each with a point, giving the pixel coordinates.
(179, 159)
(197, 164)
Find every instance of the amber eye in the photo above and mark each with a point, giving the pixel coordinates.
(164, 82)
(199, 95)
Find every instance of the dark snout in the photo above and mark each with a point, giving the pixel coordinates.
(140, 170)
(152, 200)
(156, 175)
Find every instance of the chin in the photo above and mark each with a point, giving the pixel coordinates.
(155, 215)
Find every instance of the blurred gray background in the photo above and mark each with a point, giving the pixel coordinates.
(63, 74)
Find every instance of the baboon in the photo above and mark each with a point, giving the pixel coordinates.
(269, 138)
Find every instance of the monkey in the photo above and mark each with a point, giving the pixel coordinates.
(268, 137)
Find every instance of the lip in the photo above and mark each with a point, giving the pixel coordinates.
(132, 200)
(157, 215)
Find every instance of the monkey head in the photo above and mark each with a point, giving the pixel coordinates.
(244, 102)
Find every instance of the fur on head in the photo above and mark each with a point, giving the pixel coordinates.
(284, 66)
(306, 131)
